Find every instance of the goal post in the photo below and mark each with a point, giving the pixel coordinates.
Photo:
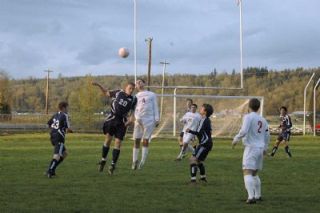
(226, 120)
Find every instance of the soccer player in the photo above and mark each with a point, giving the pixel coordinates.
(285, 132)
(201, 152)
(188, 105)
(147, 118)
(191, 121)
(255, 136)
(59, 125)
(116, 122)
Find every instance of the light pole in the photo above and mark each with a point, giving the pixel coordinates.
(149, 41)
(135, 38)
(164, 63)
(241, 44)
(47, 90)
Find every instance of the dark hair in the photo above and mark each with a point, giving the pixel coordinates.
(63, 104)
(208, 108)
(131, 83)
(195, 105)
(189, 99)
(143, 81)
(284, 108)
(254, 104)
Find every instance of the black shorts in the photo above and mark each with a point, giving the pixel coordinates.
(115, 127)
(57, 142)
(201, 152)
(284, 136)
(181, 134)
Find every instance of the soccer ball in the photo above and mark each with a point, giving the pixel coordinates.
(123, 52)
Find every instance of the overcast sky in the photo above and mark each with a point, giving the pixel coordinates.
(79, 37)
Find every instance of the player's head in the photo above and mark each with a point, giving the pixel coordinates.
(206, 110)
(193, 108)
(283, 110)
(63, 106)
(189, 102)
(140, 84)
(254, 104)
(129, 88)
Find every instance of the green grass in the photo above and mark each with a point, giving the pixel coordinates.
(289, 185)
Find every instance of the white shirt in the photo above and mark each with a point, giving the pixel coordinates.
(254, 131)
(191, 121)
(147, 106)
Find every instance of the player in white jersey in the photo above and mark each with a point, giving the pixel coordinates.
(191, 121)
(255, 136)
(146, 119)
(188, 109)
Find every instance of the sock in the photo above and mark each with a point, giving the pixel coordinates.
(182, 152)
(190, 147)
(53, 165)
(274, 150)
(145, 151)
(257, 187)
(193, 171)
(135, 154)
(105, 150)
(202, 170)
(249, 184)
(288, 151)
(115, 156)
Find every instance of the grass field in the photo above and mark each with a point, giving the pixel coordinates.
(289, 185)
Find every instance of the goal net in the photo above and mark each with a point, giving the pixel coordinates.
(226, 119)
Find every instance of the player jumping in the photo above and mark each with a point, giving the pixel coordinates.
(285, 132)
(116, 122)
(188, 109)
(255, 136)
(59, 125)
(147, 118)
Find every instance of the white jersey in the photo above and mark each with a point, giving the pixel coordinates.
(254, 131)
(191, 121)
(147, 106)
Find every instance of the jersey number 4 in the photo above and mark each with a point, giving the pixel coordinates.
(260, 126)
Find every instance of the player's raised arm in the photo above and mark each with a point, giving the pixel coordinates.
(103, 90)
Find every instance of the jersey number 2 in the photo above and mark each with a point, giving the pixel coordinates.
(260, 126)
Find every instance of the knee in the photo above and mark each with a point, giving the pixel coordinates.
(145, 142)
(193, 160)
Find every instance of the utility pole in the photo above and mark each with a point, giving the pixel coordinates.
(149, 41)
(47, 90)
(164, 63)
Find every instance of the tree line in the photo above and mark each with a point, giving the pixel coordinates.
(279, 87)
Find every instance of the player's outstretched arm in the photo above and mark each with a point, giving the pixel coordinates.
(103, 90)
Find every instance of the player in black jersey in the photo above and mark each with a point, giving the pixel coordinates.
(116, 122)
(285, 132)
(59, 125)
(203, 133)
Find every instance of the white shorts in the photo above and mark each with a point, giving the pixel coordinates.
(252, 158)
(187, 137)
(143, 129)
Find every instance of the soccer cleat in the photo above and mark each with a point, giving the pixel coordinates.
(251, 201)
(47, 172)
(203, 180)
(135, 165)
(50, 173)
(101, 164)
(192, 183)
(111, 169)
(178, 158)
(258, 199)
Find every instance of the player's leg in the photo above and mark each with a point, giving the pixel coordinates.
(115, 155)
(286, 143)
(276, 145)
(180, 140)
(148, 128)
(137, 135)
(58, 150)
(186, 142)
(249, 166)
(193, 169)
(105, 151)
(257, 186)
(201, 156)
